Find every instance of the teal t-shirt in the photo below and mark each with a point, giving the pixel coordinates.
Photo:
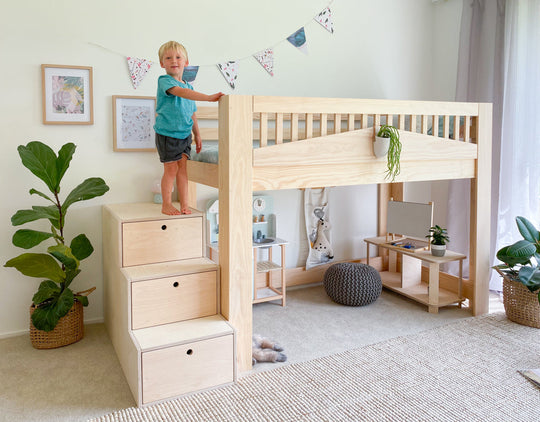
(173, 114)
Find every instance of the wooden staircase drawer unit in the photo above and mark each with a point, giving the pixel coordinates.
(147, 242)
(173, 299)
(189, 367)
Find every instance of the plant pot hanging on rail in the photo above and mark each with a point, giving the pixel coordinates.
(387, 144)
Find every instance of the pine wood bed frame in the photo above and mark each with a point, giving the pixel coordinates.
(312, 150)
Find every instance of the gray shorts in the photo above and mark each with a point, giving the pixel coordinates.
(172, 149)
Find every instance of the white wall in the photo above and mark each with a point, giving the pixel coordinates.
(400, 49)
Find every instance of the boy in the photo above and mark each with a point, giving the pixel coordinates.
(175, 120)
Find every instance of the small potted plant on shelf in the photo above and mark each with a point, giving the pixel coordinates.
(56, 312)
(521, 275)
(387, 143)
(439, 239)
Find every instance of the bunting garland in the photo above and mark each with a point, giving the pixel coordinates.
(266, 59)
(138, 67)
(229, 70)
(325, 19)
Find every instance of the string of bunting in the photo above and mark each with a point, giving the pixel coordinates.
(139, 67)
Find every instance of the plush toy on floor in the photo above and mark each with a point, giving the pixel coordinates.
(265, 350)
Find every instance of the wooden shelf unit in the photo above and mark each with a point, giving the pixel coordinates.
(269, 292)
(408, 281)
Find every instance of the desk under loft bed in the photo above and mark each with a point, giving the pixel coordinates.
(272, 143)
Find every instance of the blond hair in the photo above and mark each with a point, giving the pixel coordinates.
(172, 45)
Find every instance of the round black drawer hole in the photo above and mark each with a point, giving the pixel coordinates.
(175, 284)
(164, 227)
(189, 352)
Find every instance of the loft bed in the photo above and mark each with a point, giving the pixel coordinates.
(272, 143)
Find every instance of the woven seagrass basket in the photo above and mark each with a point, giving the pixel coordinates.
(521, 305)
(70, 329)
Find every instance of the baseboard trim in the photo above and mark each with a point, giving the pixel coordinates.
(99, 320)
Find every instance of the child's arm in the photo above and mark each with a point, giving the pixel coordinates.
(196, 134)
(193, 95)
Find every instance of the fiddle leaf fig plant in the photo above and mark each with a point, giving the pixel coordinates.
(521, 260)
(60, 265)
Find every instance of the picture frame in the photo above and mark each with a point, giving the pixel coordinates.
(67, 95)
(133, 123)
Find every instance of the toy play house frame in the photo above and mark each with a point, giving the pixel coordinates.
(328, 142)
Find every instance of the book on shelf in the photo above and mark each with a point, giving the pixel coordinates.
(532, 374)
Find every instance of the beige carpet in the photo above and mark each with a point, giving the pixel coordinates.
(465, 371)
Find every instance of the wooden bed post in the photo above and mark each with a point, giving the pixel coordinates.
(479, 264)
(235, 236)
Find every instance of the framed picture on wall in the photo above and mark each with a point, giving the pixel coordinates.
(133, 123)
(67, 95)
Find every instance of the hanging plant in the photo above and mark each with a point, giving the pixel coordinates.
(394, 150)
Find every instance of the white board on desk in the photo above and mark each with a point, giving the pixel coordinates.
(409, 218)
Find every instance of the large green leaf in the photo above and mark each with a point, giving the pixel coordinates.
(511, 257)
(64, 158)
(63, 254)
(25, 238)
(81, 247)
(46, 316)
(52, 214)
(36, 192)
(530, 277)
(527, 230)
(90, 188)
(522, 248)
(48, 290)
(26, 216)
(70, 275)
(41, 161)
(37, 265)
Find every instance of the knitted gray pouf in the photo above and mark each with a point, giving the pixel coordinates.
(352, 284)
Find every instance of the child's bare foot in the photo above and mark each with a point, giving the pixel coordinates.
(186, 211)
(168, 209)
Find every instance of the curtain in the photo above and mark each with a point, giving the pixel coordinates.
(498, 62)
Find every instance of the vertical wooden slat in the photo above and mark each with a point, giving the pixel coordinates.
(446, 126)
(466, 132)
(309, 125)
(337, 123)
(279, 128)
(294, 127)
(390, 119)
(413, 123)
(364, 121)
(435, 126)
(263, 129)
(424, 124)
(350, 122)
(456, 128)
(376, 123)
(324, 124)
(401, 122)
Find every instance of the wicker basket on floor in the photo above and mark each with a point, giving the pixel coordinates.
(70, 329)
(521, 305)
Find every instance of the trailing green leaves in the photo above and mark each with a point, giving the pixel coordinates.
(394, 151)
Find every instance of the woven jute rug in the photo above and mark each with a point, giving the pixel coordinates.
(464, 371)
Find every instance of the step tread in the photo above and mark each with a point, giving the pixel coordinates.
(142, 211)
(169, 269)
(176, 333)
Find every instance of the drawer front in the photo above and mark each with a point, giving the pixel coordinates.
(186, 368)
(148, 242)
(173, 299)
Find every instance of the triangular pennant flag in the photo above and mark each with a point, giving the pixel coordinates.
(230, 71)
(138, 69)
(266, 59)
(190, 73)
(325, 19)
(298, 39)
